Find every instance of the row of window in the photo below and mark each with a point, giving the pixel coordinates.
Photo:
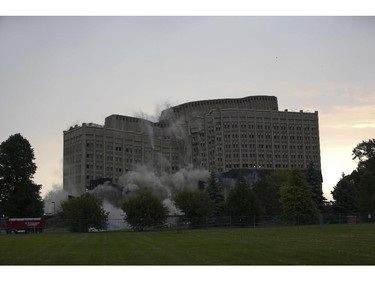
(262, 166)
(245, 126)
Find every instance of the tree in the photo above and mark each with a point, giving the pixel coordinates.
(216, 195)
(267, 191)
(356, 192)
(365, 181)
(196, 204)
(344, 195)
(83, 212)
(296, 200)
(365, 188)
(314, 178)
(364, 151)
(366, 192)
(241, 200)
(144, 209)
(19, 195)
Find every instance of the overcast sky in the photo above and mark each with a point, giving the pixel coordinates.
(59, 71)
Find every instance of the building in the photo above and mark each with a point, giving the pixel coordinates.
(218, 135)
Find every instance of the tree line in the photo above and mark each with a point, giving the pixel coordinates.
(355, 193)
(295, 195)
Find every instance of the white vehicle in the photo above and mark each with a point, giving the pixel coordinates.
(93, 229)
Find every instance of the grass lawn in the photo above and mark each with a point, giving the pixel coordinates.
(294, 245)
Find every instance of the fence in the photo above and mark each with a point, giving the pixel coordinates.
(182, 222)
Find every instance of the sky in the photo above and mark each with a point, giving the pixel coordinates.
(56, 72)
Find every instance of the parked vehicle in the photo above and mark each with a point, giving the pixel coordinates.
(21, 225)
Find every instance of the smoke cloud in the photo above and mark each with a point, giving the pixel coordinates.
(163, 185)
(115, 216)
(54, 199)
(107, 192)
(172, 209)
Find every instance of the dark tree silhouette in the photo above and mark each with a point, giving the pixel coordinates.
(144, 209)
(365, 150)
(296, 200)
(344, 195)
(83, 212)
(241, 200)
(19, 195)
(267, 191)
(196, 204)
(215, 192)
(356, 192)
(314, 178)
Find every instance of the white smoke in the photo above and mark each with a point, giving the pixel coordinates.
(54, 199)
(172, 209)
(115, 216)
(178, 129)
(146, 123)
(141, 178)
(111, 198)
(145, 116)
(107, 192)
(191, 176)
(164, 185)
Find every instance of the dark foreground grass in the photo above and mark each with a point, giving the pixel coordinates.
(307, 245)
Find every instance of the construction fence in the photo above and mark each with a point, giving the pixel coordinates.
(182, 222)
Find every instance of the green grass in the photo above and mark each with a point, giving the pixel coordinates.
(304, 245)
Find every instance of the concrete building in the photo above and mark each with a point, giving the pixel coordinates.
(218, 135)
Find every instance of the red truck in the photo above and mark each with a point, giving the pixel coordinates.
(21, 225)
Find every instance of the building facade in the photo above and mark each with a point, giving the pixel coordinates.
(218, 135)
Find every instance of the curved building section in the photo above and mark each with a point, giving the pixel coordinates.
(195, 108)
